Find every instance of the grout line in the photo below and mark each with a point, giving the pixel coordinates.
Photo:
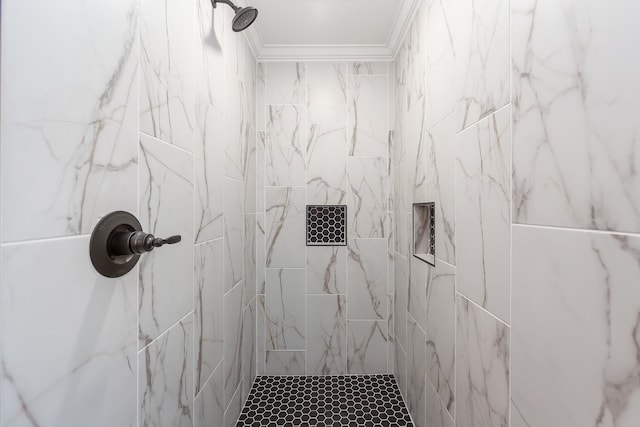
(44, 240)
(190, 313)
(484, 310)
(156, 139)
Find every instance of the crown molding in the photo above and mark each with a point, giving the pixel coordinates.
(337, 52)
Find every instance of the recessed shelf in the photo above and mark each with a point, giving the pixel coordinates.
(424, 242)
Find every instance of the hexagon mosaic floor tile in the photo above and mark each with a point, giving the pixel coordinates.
(343, 400)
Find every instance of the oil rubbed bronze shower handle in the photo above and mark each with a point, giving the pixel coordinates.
(137, 242)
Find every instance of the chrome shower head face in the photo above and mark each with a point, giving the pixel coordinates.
(244, 18)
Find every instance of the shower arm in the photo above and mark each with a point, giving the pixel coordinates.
(233, 6)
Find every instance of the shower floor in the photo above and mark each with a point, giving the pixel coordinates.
(344, 400)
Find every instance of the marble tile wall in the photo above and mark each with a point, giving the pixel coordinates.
(323, 138)
(148, 108)
(516, 119)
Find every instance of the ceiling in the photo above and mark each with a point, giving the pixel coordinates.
(328, 29)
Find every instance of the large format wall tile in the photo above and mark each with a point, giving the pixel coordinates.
(327, 92)
(285, 145)
(166, 275)
(437, 415)
(207, 406)
(285, 362)
(576, 148)
(65, 328)
(165, 378)
(208, 163)
(367, 116)
(326, 270)
(415, 44)
(166, 92)
(69, 116)
(285, 227)
(233, 230)
(441, 332)
(261, 335)
(577, 311)
(367, 197)
(416, 379)
(414, 179)
(208, 293)
(482, 368)
(208, 55)
(327, 165)
(367, 279)
(399, 107)
(377, 68)
(285, 309)
(482, 59)
(248, 348)
(417, 294)
(261, 105)
(366, 347)
(286, 83)
(250, 261)
(401, 279)
(327, 335)
(233, 319)
(483, 218)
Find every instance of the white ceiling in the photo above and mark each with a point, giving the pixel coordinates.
(328, 29)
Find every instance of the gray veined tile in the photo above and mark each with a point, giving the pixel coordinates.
(65, 328)
(261, 105)
(367, 197)
(482, 59)
(208, 56)
(260, 169)
(416, 379)
(399, 107)
(233, 325)
(248, 348)
(367, 279)
(576, 148)
(261, 340)
(327, 92)
(285, 362)
(165, 378)
(166, 276)
(233, 230)
(208, 405)
(417, 290)
(70, 108)
(437, 415)
(401, 278)
(260, 253)
(208, 294)
(482, 368)
(249, 173)
(327, 335)
(377, 68)
(366, 347)
(327, 164)
(285, 145)
(285, 309)
(416, 165)
(250, 261)
(390, 254)
(167, 89)
(286, 82)
(208, 164)
(400, 369)
(326, 270)
(233, 410)
(367, 116)
(483, 220)
(577, 311)
(415, 45)
(391, 343)
(285, 227)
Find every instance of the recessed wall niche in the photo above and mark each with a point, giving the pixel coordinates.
(424, 232)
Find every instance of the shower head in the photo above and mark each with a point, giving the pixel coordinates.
(244, 15)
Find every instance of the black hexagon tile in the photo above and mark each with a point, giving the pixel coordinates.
(326, 225)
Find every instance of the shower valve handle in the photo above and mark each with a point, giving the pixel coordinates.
(138, 242)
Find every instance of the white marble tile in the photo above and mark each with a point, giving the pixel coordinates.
(390, 253)
(577, 311)
(285, 145)
(327, 164)
(166, 275)
(441, 185)
(391, 339)
(285, 309)
(54, 345)
(261, 340)
(250, 261)
(327, 92)
(366, 347)
(261, 105)
(208, 56)
(416, 57)
(167, 66)
(576, 148)
(237, 104)
(260, 169)
(367, 197)
(400, 370)
(440, 56)
(416, 169)
(367, 279)
(285, 227)
(327, 270)
(70, 108)
(367, 115)
(232, 413)
(165, 378)
(417, 291)
(248, 348)
(390, 174)
(250, 174)
(208, 163)
(482, 59)
(482, 368)
(286, 82)
(416, 379)
(260, 253)
(208, 405)
(400, 107)
(285, 362)
(377, 68)
(233, 318)
(441, 332)
(233, 229)
(401, 278)
(437, 415)
(327, 335)
(483, 218)
(208, 293)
